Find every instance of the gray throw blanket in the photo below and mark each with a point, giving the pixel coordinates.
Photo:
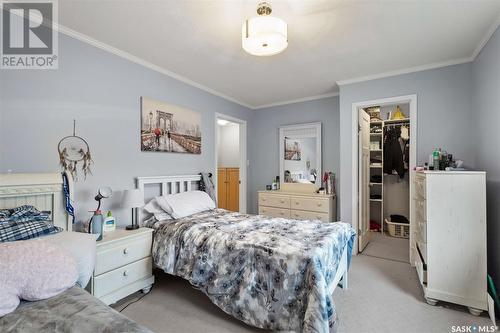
(207, 185)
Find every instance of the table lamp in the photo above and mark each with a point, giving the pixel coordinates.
(133, 199)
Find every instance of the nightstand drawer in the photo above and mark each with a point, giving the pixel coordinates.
(122, 253)
(108, 282)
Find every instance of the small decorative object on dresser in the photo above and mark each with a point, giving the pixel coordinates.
(133, 199)
(123, 265)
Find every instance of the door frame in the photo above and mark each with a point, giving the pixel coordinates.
(243, 156)
(412, 101)
(360, 185)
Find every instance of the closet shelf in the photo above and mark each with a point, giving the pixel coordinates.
(375, 166)
(376, 134)
(395, 121)
(376, 200)
(376, 150)
(376, 184)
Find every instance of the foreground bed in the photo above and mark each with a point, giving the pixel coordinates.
(271, 273)
(75, 310)
(71, 310)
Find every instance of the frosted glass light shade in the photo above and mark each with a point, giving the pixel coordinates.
(264, 35)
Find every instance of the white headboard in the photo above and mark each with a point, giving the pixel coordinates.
(167, 185)
(43, 190)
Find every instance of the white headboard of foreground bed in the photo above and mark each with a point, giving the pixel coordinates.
(165, 185)
(45, 191)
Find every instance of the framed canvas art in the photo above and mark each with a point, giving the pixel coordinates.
(169, 128)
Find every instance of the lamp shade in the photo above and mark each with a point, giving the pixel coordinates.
(132, 198)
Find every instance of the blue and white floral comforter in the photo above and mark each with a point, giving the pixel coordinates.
(271, 273)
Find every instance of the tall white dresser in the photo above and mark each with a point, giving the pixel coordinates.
(449, 237)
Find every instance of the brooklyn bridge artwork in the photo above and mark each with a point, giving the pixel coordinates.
(169, 128)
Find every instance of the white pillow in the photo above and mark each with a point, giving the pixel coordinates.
(154, 208)
(186, 203)
(82, 247)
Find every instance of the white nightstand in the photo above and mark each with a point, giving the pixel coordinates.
(123, 264)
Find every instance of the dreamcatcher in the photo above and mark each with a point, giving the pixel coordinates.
(73, 149)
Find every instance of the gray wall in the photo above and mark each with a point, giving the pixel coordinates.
(102, 92)
(486, 80)
(444, 117)
(263, 136)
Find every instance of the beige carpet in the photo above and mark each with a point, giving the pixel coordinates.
(387, 247)
(383, 296)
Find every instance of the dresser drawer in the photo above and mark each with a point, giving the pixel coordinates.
(421, 209)
(310, 204)
(305, 215)
(120, 277)
(421, 234)
(274, 212)
(420, 186)
(271, 200)
(122, 253)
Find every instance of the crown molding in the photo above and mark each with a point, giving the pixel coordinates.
(486, 38)
(298, 100)
(106, 47)
(405, 71)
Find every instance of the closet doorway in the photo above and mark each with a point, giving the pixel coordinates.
(386, 156)
(230, 163)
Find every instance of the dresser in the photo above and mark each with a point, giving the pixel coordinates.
(449, 237)
(123, 264)
(301, 206)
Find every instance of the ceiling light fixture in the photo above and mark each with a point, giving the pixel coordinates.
(264, 35)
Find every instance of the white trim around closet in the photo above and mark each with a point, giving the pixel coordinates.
(410, 99)
(243, 157)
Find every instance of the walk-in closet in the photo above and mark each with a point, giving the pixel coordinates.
(385, 176)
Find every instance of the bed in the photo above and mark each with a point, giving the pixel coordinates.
(73, 310)
(271, 273)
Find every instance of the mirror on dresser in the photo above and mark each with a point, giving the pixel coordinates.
(300, 154)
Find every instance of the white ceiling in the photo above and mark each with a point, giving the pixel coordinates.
(329, 41)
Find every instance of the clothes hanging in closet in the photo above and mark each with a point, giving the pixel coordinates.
(395, 152)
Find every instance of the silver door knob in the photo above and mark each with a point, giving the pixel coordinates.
(125, 273)
(125, 251)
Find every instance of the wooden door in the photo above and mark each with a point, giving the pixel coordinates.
(364, 181)
(233, 189)
(222, 188)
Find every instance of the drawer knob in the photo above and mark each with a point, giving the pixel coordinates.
(125, 251)
(319, 204)
(296, 202)
(263, 199)
(318, 217)
(282, 201)
(125, 273)
(282, 213)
